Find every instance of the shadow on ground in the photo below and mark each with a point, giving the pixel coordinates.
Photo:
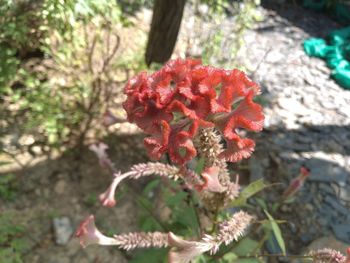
(68, 187)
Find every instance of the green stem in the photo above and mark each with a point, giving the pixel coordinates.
(215, 223)
(150, 212)
(199, 229)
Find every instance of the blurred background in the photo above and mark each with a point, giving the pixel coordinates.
(63, 66)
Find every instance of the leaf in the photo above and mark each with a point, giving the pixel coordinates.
(200, 166)
(248, 192)
(149, 224)
(186, 216)
(150, 255)
(229, 257)
(277, 232)
(176, 199)
(245, 246)
(247, 260)
(150, 186)
(261, 202)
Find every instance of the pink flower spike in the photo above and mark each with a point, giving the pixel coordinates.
(88, 234)
(107, 198)
(184, 251)
(100, 150)
(296, 183)
(304, 171)
(211, 179)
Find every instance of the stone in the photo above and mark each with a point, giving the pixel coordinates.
(342, 231)
(275, 56)
(73, 246)
(60, 187)
(327, 242)
(323, 221)
(325, 171)
(344, 193)
(256, 169)
(63, 230)
(326, 188)
(306, 238)
(309, 207)
(293, 106)
(309, 78)
(336, 205)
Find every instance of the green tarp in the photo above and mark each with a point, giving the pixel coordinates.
(336, 48)
(336, 51)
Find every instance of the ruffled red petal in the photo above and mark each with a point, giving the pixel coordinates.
(182, 149)
(195, 111)
(238, 149)
(249, 114)
(157, 145)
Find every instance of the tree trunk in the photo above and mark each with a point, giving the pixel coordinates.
(166, 21)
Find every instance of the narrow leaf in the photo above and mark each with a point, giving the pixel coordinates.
(277, 232)
(248, 192)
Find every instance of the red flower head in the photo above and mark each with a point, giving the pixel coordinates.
(171, 105)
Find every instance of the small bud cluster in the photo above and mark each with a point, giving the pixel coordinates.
(327, 255)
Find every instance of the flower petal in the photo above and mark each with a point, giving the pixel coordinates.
(157, 145)
(88, 234)
(107, 198)
(184, 251)
(182, 148)
(238, 149)
(211, 178)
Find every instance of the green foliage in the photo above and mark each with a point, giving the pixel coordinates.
(8, 187)
(91, 199)
(276, 231)
(150, 255)
(184, 221)
(244, 14)
(248, 192)
(246, 246)
(56, 64)
(12, 242)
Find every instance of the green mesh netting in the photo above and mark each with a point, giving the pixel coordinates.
(336, 51)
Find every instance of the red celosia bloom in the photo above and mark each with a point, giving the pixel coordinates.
(171, 105)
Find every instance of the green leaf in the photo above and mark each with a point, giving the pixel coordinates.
(248, 192)
(247, 260)
(261, 202)
(200, 259)
(277, 232)
(148, 224)
(229, 257)
(245, 246)
(150, 186)
(200, 166)
(186, 217)
(176, 199)
(150, 255)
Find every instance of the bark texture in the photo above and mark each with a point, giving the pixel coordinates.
(166, 21)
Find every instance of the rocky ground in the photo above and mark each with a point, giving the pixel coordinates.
(307, 123)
